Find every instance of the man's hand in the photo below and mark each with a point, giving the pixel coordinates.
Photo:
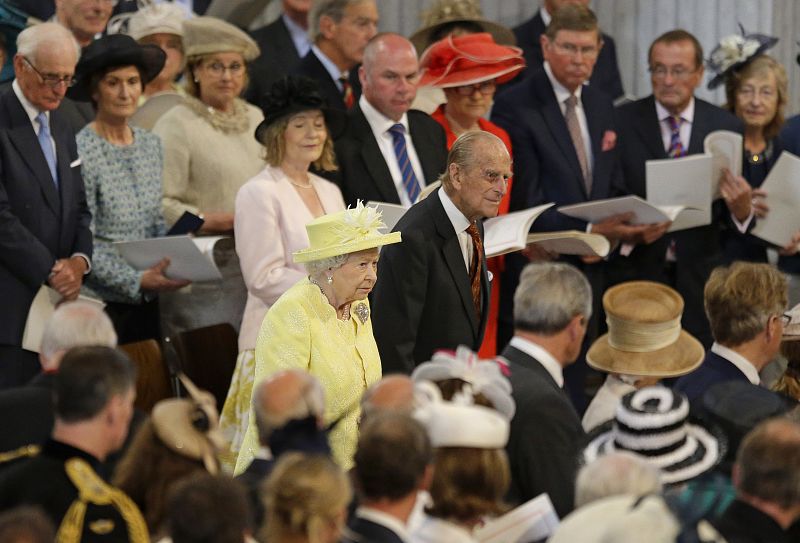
(153, 279)
(792, 247)
(537, 253)
(654, 231)
(737, 193)
(66, 276)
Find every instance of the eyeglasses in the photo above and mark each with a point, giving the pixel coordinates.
(51, 80)
(487, 87)
(766, 93)
(785, 319)
(111, 3)
(590, 52)
(218, 68)
(678, 72)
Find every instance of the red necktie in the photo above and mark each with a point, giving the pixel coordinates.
(347, 92)
(475, 266)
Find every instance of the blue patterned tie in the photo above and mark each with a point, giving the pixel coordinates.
(47, 145)
(676, 149)
(410, 182)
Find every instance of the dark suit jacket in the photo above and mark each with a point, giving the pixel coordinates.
(698, 250)
(278, 58)
(743, 523)
(366, 531)
(423, 301)
(363, 173)
(713, 370)
(310, 66)
(38, 223)
(546, 435)
(605, 76)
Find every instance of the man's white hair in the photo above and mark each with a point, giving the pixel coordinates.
(76, 324)
(51, 35)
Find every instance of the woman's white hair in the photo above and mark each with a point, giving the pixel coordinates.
(315, 267)
(35, 37)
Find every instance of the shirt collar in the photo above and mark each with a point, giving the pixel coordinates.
(387, 521)
(542, 355)
(29, 108)
(298, 34)
(687, 114)
(546, 17)
(379, 122)
(744, 365)
(457, 219)
(329, 65)
(562, 93)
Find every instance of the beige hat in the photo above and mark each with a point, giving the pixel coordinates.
(644, 333)
(190, 426)
(156, 19)
(454, 11)
(206, 35)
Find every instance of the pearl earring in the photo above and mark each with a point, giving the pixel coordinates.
(330, 279)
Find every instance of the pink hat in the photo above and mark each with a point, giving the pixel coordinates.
(469, 59)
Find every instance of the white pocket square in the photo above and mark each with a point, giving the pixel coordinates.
(491, 275)
(75, 163)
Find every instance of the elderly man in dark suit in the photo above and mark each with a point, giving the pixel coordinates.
(44, 220)
(552, 306)
(340, 31)
(388, 153)
(745, 303)
(433, 289)
(605, 75)
(672, 123)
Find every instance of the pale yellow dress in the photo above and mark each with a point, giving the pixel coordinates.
(301, 330)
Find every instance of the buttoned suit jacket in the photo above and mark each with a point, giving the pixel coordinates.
(546, 435)
(698, 250)
(39, 223)
(714, 369)
(310, 66)
(363, 173)
(362, 530)
(422, 301)
(605, 75)
(278, 57)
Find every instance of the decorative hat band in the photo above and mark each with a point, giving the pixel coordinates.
(642, 337)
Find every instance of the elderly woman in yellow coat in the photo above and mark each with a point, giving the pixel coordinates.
(322, 324)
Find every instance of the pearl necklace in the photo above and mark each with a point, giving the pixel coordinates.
(345, 312)
(309, 186)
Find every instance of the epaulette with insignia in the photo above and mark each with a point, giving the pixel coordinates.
(27, 451)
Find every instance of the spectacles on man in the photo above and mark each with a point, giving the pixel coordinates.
(589, 52)
(487, 87)
(52, 80)
(785, 319)
(218, 68)
(678, 72)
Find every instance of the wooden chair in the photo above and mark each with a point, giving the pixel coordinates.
(153, 379)
(208, 357)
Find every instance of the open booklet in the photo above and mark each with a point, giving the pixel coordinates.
(534, 520)
(683, 182)
(644, 212)
(390, 213)
(42, 308)
(508, 233)
(782, 186)
(726, 149)
(190, 258)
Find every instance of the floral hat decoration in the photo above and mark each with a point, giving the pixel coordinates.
(735, 51)
(349, 231)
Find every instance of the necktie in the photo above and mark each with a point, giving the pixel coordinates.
(410, 182)
(47, 145)
(675, 146)
(475, 266)
(347, 91)
(574, 128)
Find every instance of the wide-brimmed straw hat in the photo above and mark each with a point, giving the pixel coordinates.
(349, 231)
(734, 52)
(445, 12)
(116, 50)
(293, 94)
(190, 426)
(207, 35)
(653, 423)
(166, 18)
(644, 333)
(455, 61)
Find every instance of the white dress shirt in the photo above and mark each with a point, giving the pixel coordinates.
(562, 94)
(330, 67)
(380, 125)
(542, 355)
(299, 36)
(744, 365)
(460, 224)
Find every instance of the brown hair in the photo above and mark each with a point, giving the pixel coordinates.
(789, 382)
(193, 62)
(760, 66)
(675, 36)
(272, 138)
(741, 298)
(573, 17)
(468, 483)
(96, 77)
(769, 463)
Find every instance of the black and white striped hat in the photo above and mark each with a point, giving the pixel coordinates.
(653, 423)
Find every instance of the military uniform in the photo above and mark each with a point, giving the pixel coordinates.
(64, 482)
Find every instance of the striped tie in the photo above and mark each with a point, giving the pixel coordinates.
(410, 182)
(675, 146)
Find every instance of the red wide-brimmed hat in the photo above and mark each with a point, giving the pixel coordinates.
(469, 59)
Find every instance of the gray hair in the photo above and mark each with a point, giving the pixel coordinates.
(76, 324)
(463, 154)
(315, 267)
(616, 473)
(35, 37)
(549, 295)
(327, 8)
(309, 402)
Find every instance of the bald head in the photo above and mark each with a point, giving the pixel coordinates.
(284, 396)
(389, 74)
(392, 393)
